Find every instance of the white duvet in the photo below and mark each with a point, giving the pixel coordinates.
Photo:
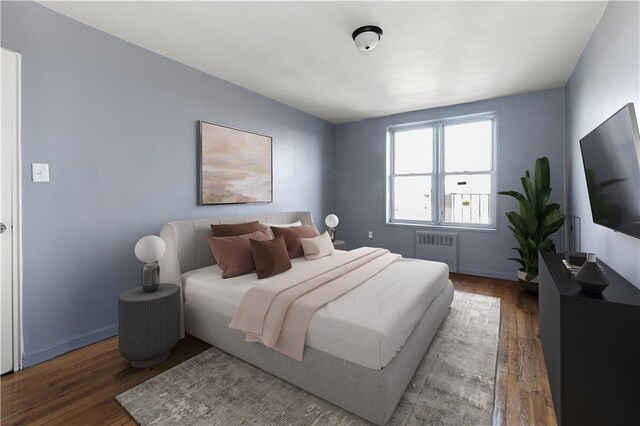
(367, 326)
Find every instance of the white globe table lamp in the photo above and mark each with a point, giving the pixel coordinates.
(149, 250)
(332, 222)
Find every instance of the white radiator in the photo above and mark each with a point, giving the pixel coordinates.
(439, 247)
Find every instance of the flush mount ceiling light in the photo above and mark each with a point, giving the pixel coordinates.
(367, 37)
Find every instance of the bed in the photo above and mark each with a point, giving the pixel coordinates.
(359, 354)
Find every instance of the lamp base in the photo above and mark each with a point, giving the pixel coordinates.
(150, 277)
(332, 234)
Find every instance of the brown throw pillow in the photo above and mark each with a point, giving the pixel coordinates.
(233, 254)
(292, 237)
(233, 229)
(270, 257)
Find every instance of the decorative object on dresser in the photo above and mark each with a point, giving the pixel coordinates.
(537, 221)
(149, 250)
(591, 276)
(453, 385)
(339, 245)
(148, 324)
(235, 166)
(574, 260)
(591, 346)
(332, 222)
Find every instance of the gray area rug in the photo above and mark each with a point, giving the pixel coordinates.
(453, 385)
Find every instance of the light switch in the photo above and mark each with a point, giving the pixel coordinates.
(39, 172)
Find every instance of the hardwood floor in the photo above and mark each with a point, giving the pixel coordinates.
(79, 387)
(522, 393)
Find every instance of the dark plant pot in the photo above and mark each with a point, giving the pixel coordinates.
(530, 286)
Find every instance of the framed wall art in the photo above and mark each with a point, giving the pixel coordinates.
(235, 166)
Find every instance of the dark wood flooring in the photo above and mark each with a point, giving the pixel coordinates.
(79, 387)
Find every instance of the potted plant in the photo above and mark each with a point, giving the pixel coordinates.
(537, 221)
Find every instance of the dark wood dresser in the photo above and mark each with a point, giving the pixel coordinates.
(591, 346)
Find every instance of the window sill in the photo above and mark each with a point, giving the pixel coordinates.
(445, 228)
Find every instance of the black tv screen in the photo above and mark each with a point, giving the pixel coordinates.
(611, 158)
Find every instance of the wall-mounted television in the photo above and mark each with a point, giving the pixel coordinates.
(611, 158)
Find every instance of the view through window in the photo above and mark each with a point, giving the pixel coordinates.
(442, 172)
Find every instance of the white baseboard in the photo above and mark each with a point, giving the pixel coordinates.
(491, 274)
(50, 352)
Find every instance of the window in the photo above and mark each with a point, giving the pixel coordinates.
(443, 173)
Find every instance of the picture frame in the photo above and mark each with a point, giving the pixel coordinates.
(235, 166)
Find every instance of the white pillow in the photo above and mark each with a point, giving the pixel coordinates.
(282, 225)
(317, 247)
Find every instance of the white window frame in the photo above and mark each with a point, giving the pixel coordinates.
(438, 174)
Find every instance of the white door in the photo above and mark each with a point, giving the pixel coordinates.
(8, 161)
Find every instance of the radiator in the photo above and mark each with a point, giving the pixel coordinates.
(439, 247)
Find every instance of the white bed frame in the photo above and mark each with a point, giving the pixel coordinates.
(369, 393)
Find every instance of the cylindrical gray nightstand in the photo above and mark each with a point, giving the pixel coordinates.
(339, 245)
(148, 324)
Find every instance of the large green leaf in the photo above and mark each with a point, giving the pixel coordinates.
(515, 194)
(549, 209)
(522, 240)
(551, 224)
(518, 223)
(528, 213)
(528, 189)
(542, 174)
(545, 246)
(541, 201)
(524, 246)
(553, 216)
(550, 229)
(519, 260)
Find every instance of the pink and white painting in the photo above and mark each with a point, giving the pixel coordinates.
(235, 166)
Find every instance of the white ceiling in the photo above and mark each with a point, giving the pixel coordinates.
(301, 53)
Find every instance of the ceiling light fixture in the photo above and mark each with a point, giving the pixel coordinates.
(367, 37)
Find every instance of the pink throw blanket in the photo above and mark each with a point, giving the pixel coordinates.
(277, 311)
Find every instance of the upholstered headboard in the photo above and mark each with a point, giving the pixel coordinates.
(187, 247)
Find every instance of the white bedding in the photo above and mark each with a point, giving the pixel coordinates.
(366, 326)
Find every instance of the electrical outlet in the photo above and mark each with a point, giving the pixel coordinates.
(370, 235)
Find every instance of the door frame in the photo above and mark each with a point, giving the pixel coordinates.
(16, 246)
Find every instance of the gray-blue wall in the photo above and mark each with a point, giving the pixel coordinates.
(529, 126)
(117, 124)
(606, 78)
